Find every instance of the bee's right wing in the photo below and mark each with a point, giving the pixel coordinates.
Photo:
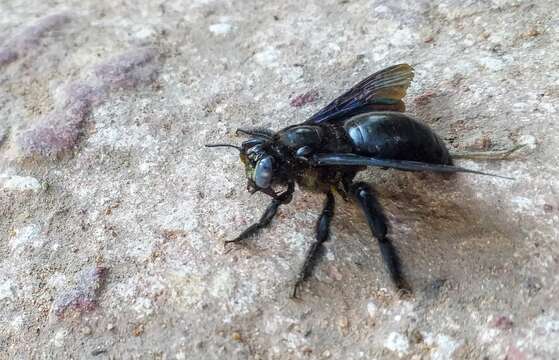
(349, 159)
(381, 91)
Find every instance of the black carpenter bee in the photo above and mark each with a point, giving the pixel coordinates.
(365, 126)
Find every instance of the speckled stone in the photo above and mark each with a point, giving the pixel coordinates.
(104, 110)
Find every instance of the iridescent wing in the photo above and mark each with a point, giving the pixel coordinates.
(381, 91)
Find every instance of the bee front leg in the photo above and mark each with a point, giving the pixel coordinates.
(266, 218)
(378, 223)
(316, 250)
(264, 221)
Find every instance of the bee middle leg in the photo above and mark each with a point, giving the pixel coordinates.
(377, 221)
(316, 250)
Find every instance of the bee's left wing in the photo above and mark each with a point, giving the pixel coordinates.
(381, 91)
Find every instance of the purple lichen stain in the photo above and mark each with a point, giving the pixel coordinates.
(52, 135)
(29, 38)
(513, 353)
(80, 99)
(128, 70)
(7, 56)
(60, 130)
(83, 297)
(304, 99)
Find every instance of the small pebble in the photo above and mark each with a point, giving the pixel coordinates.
(138, 330)
(98, 352)
(502, 323)
(303, 99)
(483, 143)
(532, 33)
(82, 297)
(333, 273)
(343, 325)
(236, 336)
(86, 330)
(415, 336)
(424, 99)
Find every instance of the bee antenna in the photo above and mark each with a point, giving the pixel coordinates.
(224, 145)
(258, 133)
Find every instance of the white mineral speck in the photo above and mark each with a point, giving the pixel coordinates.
(59, 337)
(57, 280)
(397, 342)
(371, 308)
(382, 9)
(267, 57)
(7, 290)
(528, 140)
(17, 322)
(19, 183)
(444, 346)
(144, 33)
(222, 285)
(491, 63)
(143, 306)
(220, 28)
(487, 336)
(23, 236)
(522, 203)
(548, 107)
(519, 107)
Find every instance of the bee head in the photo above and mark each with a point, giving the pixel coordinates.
(259, 164)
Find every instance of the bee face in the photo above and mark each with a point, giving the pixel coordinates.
(259, 165)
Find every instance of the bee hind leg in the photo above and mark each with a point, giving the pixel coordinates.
(378, 223)
(316, 251)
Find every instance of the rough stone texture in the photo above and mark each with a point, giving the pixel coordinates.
(125, 94)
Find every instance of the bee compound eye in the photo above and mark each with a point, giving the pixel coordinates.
(263, 172)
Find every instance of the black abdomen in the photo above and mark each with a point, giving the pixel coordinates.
(394, 135)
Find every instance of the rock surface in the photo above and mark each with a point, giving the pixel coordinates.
(113, 214)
